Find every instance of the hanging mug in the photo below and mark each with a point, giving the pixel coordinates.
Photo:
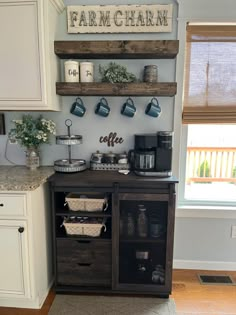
(128, 109)
(78, 108)
(153, 109)
(102, 108)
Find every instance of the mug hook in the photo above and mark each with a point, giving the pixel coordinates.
(80, 100)
(104, 99)
(154, 99)
(129, 99)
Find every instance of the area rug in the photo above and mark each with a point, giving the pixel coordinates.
(110, 305)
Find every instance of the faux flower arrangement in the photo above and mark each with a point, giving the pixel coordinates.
(31, 132)
(116, 73)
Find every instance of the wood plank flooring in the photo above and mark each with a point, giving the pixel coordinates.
(191, 297)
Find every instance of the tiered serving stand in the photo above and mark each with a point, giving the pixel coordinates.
(69, 165)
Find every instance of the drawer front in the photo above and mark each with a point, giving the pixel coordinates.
(12, 205)
(83, 263)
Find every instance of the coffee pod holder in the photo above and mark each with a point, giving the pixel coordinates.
(69, 165)
(108, 162)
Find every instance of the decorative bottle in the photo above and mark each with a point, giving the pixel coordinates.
(142, 222)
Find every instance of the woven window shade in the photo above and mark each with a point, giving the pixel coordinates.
(210, 75)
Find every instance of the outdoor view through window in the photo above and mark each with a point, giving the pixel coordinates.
(211, 163)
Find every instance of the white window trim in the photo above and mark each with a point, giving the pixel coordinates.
(187, 208)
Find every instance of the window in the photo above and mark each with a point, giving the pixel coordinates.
(210, 172)
(209, 116)
(210, 74)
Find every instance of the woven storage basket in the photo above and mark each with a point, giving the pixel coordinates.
(86, 229)
(75, 203)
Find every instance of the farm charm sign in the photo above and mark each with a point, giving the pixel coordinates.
(119, 18)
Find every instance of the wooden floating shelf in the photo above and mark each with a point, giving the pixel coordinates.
(117, 89)
(134, 49)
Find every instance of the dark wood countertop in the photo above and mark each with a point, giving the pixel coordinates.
(107, 179)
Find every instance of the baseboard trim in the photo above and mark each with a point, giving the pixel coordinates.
(204, 265)
(43, 298)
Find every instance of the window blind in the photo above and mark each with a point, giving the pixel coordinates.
(210, 74)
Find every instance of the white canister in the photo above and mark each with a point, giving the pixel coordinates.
(71, 71)
(86, 72)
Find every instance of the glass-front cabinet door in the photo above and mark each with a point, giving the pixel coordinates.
(144, 241)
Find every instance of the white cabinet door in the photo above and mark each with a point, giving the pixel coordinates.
(28, 65)
(20, 73)
(13, 251)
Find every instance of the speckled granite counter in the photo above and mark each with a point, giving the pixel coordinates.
(22, 179)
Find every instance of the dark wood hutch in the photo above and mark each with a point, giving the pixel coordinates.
(109, 263)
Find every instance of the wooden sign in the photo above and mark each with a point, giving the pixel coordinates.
(119, 18)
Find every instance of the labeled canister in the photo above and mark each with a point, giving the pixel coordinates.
(71, 71)
(150, 73)
(86, 72)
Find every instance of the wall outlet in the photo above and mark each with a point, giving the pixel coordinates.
(233, 231)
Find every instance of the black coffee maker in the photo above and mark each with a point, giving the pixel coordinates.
(152, 154)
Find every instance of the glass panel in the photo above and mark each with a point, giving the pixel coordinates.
(142, 243)
(211, 163)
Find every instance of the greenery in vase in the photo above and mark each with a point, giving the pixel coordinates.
(31, 132)
(115, 73)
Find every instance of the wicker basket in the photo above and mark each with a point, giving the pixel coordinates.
(84, 229)
(76, 203)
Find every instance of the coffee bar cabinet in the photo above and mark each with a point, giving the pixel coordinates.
(132, 250)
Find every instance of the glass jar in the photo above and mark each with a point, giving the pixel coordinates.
(142, 222)
(130, 225)
(32, 158)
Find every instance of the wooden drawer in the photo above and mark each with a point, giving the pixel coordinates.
(12, 205)
(83, 263)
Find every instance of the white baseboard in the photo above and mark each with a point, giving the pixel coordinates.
(204, 265)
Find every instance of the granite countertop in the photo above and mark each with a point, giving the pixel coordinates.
(22, 179)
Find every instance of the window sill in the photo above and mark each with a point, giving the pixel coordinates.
(218, 212)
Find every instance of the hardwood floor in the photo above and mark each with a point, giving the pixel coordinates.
(191, 297)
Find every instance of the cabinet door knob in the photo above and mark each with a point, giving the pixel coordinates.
(1, 204)
(21, 229)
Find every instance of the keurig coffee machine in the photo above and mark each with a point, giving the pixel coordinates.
(152, 154)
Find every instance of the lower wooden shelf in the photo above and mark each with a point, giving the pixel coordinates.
(117, 89)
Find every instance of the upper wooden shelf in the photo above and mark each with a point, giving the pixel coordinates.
(133, 49)
(121, 89)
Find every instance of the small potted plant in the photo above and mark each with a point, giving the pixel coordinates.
(31, 133)
(115, 73)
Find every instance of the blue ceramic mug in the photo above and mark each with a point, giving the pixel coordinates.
(128, 109)
(78, 108)
(102, 108)
(153, 109)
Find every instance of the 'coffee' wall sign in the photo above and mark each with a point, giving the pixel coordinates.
(119, 18)
(111, 139)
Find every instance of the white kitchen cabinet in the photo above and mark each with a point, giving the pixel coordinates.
(26, 273)
(13, 249)
(28, 66)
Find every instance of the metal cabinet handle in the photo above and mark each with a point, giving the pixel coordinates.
(21, 229)
(1, 204)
